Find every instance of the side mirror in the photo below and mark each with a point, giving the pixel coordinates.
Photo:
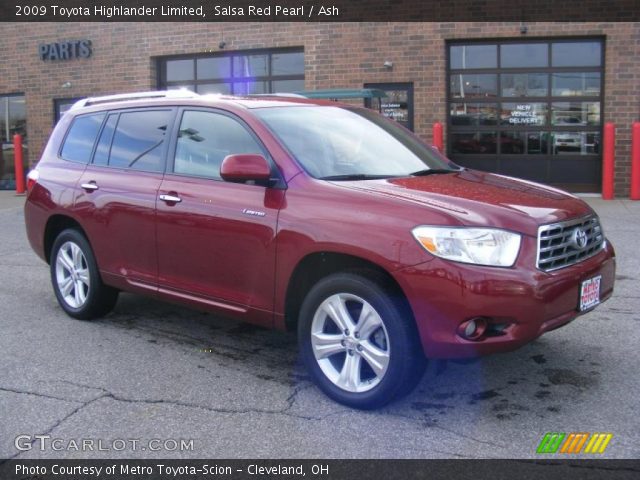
(244, 168)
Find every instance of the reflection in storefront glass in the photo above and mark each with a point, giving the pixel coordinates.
(250, 66)
(248, 88)
(223, 88)
(575, 84)
(512, 142)
(180, 70)
(524, 84)
(575, 143)
(213, 67)
(537, 142)
(474, 114)
(395, 106)
(474, 142)
(474, 86)
(524, 55)
(575, 113)
(474, 56)
(576, 54)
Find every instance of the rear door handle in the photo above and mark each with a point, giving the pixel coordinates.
(90, 187)
(170, 198)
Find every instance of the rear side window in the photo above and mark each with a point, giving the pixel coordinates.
(205, 138)
(138, 140)
(79, 142)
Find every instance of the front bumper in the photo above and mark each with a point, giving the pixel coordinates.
(443, 294)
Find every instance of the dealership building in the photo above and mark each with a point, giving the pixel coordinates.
(527, 100)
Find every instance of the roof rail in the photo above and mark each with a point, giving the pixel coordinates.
(182, 93)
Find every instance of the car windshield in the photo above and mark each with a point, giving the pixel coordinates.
(338, 143)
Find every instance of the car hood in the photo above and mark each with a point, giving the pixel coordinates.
(481, 199)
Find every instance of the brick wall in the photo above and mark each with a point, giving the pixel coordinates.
(336, 55)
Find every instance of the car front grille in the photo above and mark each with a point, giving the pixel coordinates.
(559, 246)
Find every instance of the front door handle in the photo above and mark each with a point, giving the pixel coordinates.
(170, 198)
(90, 187)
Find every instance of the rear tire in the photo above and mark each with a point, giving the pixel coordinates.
(359, 341)
(76, 280)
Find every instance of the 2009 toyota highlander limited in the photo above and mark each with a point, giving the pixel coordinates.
(325, 218)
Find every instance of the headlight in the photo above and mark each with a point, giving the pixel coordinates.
(482, 246)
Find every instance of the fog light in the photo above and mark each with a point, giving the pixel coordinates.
(473, 329)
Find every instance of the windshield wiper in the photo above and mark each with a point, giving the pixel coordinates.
(434, 171)
(356, 176)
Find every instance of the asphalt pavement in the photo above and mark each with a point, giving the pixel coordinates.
(154, 371)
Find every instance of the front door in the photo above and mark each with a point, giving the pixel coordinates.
(216, 240)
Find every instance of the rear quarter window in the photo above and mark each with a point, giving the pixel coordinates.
(79, 142)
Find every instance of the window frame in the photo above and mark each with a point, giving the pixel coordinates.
(95, 141)
(163, 83)
(277, 179)
(119, 112)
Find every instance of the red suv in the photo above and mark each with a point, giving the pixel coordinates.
(326, 218)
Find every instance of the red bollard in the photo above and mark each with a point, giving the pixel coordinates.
(17, 162)
(438, 140)
(608, 160)
(635, 161)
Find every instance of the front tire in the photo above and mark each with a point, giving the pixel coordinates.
(76, 280)
(359, 341)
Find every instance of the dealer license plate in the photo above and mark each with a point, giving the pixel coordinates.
(590, 293)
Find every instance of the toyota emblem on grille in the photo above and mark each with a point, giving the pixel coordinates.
(579, 238)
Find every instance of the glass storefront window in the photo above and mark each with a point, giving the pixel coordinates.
(512, 142)
(576, 54)
(570, 84)
(537, 143)
(474, 113)
(524, 84)
(524, 55)
(474, 142)
(474, 85)
(575, 113)
(575, 143)
(248, 88)
(179, 70)
(473, 56)
(213, 67)
(251, 66)
(546, 115)
(291, 63)
(13, 120)
(235, 73)
(223, 88)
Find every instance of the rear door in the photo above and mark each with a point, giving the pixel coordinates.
(216, 240)
(118, 190)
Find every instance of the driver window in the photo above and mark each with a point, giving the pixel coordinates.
(205, 139)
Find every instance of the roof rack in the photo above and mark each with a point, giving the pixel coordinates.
(182, 93)
(279, 94)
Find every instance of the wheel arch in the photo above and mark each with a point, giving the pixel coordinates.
(315, 266)
(56, 224)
